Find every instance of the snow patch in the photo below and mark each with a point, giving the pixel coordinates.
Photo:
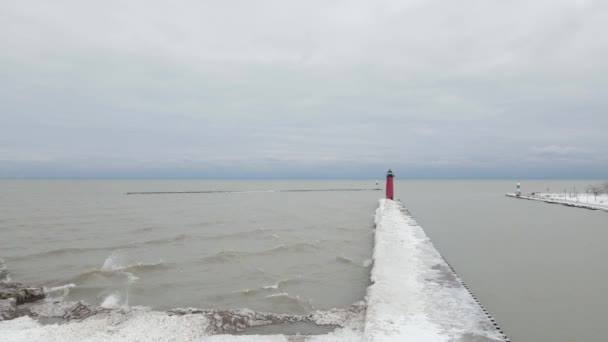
(116, 326)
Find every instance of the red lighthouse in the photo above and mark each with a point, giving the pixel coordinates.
(389, 184)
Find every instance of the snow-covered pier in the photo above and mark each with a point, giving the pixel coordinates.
(586, 201)
(416, 295)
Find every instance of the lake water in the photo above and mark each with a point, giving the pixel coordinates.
(538, 268)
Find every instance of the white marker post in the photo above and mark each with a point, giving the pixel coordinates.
(518, 189)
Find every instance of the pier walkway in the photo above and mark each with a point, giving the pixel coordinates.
(415, 295)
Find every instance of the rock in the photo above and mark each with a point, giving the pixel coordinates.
(8, 309)
(21, 293)
(230, 321)
(81, 310)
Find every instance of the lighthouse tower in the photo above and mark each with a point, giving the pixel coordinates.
(389, 184)
(518, 189)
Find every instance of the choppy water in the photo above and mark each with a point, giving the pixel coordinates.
(539, 269)
(277, 252)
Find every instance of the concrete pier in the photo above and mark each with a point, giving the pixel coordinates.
(568, 203)
(416, 295)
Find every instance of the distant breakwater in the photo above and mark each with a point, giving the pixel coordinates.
(243, 192)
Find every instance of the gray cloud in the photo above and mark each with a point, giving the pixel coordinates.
(315, 88)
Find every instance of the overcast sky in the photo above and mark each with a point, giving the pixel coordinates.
(328, 88)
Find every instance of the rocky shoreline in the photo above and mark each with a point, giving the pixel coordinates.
(18, 300)
(13, 295)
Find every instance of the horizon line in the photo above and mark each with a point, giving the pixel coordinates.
(298, 178)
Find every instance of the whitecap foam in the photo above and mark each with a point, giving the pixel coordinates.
(57, 292)
(282, 294)
(4, 276)
(131, 278)
(115, 263)
(279, 284)
(58, 288)
(112, 263)
(111, 301)
(271, 287)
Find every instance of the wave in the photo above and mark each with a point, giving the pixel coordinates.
(282, 294)
(223, 256)
(248, 233)
(258, 232)
(346, 260)
(70, 250)
(140, 266)
(295, 247)
(285, 298)
(89, 276)
(113, 266)
(161, 241)
(58, 288)
(96, 274)
(57, 293)
(228, 255)
(279, 285)
(114, 263)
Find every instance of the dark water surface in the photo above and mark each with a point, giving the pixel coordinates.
(538, 268)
